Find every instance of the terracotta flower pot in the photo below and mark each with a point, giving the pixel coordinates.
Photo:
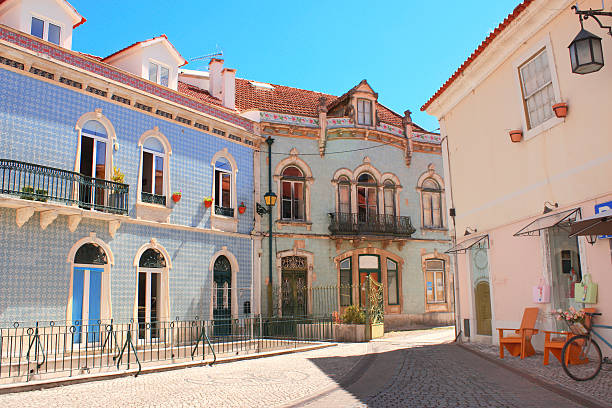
(176, 197)
(207, 203)
(242, 208)
(560, 109)
(516, 136)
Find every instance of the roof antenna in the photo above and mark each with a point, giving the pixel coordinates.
(207, 56)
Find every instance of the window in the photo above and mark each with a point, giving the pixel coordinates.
(431, 196)
(52, 33)
(344, 195)
(364, 112)
(153, 155)
(537, 89)
(389, 196)
(151, 266)
(94, 142)
(159, 73)
(292, 186)
(223, 188)
(392, 284)
(434, 279)
(346, 281)
(367, 198)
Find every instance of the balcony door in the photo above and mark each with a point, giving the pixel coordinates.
(94, 140)
(151, 267)
(367, 199)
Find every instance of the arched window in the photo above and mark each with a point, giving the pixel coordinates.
(151, 266)
(389, 197)
(344, 195)
(90, 254)
(431, 196)
(367, 198)
(153, 171)
(223, 187)
(93, 161)
(292, 190)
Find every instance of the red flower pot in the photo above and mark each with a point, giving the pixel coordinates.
(516, 136)
(207, 203)
(176, 197)
(560, 109)
(242, 208)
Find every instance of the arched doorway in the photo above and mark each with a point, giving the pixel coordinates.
(222, 296)
(483, 308)
(151, 268)
(89, 265)
(294, 286)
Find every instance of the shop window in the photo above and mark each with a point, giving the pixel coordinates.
(292, 190)
(434, 281)
(392, 283)
(346, 281)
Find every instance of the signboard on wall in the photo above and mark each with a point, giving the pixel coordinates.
(601, 208)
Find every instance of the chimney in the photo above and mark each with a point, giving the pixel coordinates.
(228, 92)
(215, 84)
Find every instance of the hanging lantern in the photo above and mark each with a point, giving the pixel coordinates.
(586, 53)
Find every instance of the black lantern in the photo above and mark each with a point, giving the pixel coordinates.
(270, 199)
(591, 239)
(586, 53)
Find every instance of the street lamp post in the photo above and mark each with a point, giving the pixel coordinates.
(270, 200)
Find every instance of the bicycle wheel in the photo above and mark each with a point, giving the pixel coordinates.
(583, 357)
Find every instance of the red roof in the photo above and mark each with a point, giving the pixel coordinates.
(198, 93)
(143, 42)
(501, 27)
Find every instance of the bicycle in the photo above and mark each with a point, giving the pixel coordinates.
(581, 355)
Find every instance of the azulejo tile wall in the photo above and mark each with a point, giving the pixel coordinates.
(37, 125)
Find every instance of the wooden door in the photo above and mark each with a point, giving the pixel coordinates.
(483, 309)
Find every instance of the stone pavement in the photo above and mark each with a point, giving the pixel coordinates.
(599, 389)
(410, 369)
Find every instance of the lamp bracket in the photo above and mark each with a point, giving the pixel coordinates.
(594, 14)
(262, 210)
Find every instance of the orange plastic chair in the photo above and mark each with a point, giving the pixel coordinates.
(521, 343)
(555, 345)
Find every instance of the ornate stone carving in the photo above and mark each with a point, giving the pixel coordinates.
(295, 263)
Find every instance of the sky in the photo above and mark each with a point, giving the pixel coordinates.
(405, 49)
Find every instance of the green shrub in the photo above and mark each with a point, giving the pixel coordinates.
(353, 315)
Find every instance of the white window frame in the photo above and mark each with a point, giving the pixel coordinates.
(292, 200)
(159, 66)
(435, 281)
(219, 182)
(150, 211)
(365, 122)
(46, 22)
(222, 222)
(154, 168)
(543, 44)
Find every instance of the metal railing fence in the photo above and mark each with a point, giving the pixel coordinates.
(358, 223)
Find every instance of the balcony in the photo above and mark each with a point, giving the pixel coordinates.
(378, 224)
(153, 198)
(224, 211)
(40, 183)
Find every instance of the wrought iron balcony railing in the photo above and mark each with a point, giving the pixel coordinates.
(33, 182)
(227, 212)
(377, 224)
(153, 198)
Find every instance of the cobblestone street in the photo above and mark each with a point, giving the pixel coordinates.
(410, 369)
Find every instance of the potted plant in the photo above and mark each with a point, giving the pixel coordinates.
(208, 202)
(352, 326)
(241, 207)
(176, 196)
(560, 109)
(118, 176)
(516, 135)
(27, 193)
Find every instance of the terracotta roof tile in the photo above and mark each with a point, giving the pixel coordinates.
(501, 27)
(198, 93)
(146, 41)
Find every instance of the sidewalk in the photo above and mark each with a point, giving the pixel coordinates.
(599, 389)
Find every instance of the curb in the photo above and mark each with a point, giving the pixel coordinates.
(562, 391)
(52, 383)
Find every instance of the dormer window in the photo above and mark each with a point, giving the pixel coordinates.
(364, 112)
(159, 73)
(45, 30)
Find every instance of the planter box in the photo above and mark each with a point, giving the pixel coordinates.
(356, 333)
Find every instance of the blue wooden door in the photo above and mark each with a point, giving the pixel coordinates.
(78, 299)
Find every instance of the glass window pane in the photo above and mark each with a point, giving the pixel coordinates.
(100, 160)
(392, 286)
(345, 264)
(372, 196)
(429, 282)
(153, 144)
(435, 264)
(440, 287)
(368, 262)
(286, 190)
(292, 172)
(226, 181)
(147, 171)
(389, 201)
(159, 175)
(152, 72)
(298, 197)
(94, 128)
(37, 27)
(54, 34)
(344, 198)
(164, 75)
(286, 210)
